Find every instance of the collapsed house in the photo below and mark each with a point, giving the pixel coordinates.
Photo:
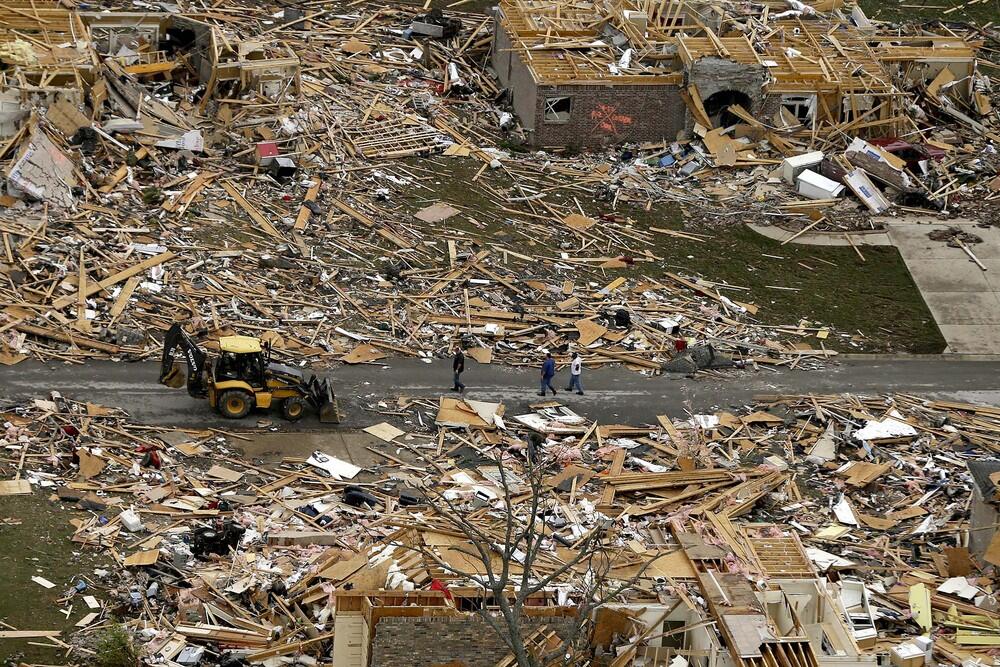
(803, 531)
(398, 629)
(92, 59)
(794, 620)
(631, 71)
(197, 121)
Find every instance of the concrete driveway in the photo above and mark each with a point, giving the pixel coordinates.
(964, 299)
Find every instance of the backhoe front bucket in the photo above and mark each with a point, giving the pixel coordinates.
(174, 378)
(328, 411)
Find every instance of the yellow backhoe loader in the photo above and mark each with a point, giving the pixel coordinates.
(243, 377)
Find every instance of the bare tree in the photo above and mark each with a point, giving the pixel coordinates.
(517, 562)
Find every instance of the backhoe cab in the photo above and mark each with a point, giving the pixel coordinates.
(243, 377)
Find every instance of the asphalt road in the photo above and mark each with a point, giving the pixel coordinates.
(613, 395)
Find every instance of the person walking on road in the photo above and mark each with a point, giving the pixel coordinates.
(548, 372)
(575, 369)
(458, 365)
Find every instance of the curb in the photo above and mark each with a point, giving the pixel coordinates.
(902, 356)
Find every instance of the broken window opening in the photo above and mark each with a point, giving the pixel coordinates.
(803, 107)
(672, 638)
(717, 107)
(557, 109)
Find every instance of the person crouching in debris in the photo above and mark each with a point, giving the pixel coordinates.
(548, 372)
(532, 446)
(575, 369)
(457, 366)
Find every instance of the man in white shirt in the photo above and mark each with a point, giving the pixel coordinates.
(575, 369)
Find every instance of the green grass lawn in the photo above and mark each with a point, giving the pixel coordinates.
(974, 11)
(832, 285)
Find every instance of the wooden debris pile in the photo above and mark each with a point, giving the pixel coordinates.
(260, 207)
(863, 502)
(257, 171)
(347, 285)
(829, 78)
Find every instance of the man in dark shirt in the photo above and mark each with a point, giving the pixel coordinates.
(457, 366)
(548, 372)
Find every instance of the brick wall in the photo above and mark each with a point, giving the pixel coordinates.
(430, 641)
(601, 114)
(606, 115)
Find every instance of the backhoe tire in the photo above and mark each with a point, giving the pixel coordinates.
(293, 408)
(235, 404)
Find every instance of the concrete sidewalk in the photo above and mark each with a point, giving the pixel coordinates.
(964, 299)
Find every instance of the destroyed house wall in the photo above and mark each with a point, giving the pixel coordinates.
(514, 75)
(712, 75)
(438, 640)
(203, 48)
(689, 636)
(110, 31)
(605, 114)
(983, 514)
(11, 112)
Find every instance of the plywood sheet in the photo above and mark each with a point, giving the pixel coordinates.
(452, 412)
(15, 487)
(436, 212)
(384, 431)
(140, 558)
(590, 331)
(363, 353)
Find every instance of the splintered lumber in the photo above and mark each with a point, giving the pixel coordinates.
(675, 435)
(368, 222)
(344, 207)
(284, 649)
(639, 481)
(124, 296)
(102, 285)
(251, 210)
(741, 498)
(181, 201)
(608, 494)
(70, 339)
(223, 635)
(304, 211)
(696, 106)
(29, 634)
(628, 358)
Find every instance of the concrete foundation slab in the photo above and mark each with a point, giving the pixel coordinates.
(964, 299)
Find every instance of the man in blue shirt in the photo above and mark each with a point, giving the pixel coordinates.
(548, 372)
